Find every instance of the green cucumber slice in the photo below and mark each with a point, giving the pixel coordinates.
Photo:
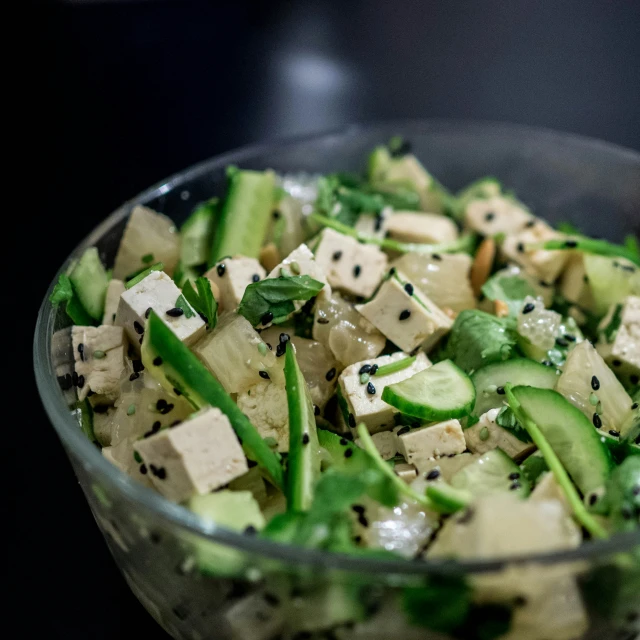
(89, 280)
(520, 371)
(448, 499)
(570, 434)
(171, 362)
(493, 472)
(440, 392)
(304, 450)
(196, 234)
(245, 215)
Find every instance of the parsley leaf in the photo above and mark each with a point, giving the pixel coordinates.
(276, 296)
(181, 303)
(613, 325)
(507, 420)
(510, 289)
(202, 301)
(62, 292)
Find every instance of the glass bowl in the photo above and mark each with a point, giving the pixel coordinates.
(258, 590)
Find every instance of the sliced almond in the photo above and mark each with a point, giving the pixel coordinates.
(270, 256)
(481, 267)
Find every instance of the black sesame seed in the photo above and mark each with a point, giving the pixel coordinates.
(263, 374)
(633, 406)
(597, 421)
(316, 410)
(101, 408)
(520, 247)
(500, 391)
(409, 288)
(374, 369)
(614, 433)
(626, 513)
(267, 318)
(593, 498)
(80, 382)
(344, 442)
(331, 374)
(137, 365)
(392, 271)
(143, 469)
(569, 337)
(176, 312)
(283, 338)
(595, 383)
(348, 453)
(514, 476)
(357, 539)
(65, 382)
(305, 438)
(271, 599)
(167, 409)
(275, 215)
(177, 391)
(363, 520)
(161, 404)
(371, 390)
(547, 363)
(157, 361)
(134, 376)
(436, 256)
(138, 327)
(633, 379)
(255, 277)
(519, 601)
(434, 474)
(336, 256)
(352, 421)
(74, 378)
(250, 530)
(616, 363)
(402, 431)
(530, 224)
(570, 244)
(322, 321)
(81, 351)
(220, 269)
(489, 216)
(155, 538)
(147, 313)
(357, 270)
(528, 308)
(542, 283)
(365, 368)
(358, 508)
(378, 223)
(514, 486)
(561, 342)
(404, 314)
(280, 350)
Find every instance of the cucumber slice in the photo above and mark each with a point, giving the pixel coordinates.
(440, 392)
(304, 450)
(611, 280)
(245, 215)
(89, 280)
(520, 371)
(448, 499)
(196, 234)
(494, 472)
(570, 434)
(171, 362)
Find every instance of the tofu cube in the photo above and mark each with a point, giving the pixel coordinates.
(622, 354)
(265, 404)
(496, 214)
(158, 292)
(406, 472)
(115, 289)
(121, 456)
(545, 265)
(368, 408)
(487, 434)
(405, 315)
(232, 276)
(199, 455)
(349, 265)
(385, 442)
(99, 361)
(302, 263)
(426, 228)
(374, 226)
(419, 446)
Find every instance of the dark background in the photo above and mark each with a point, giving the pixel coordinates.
(129, 92)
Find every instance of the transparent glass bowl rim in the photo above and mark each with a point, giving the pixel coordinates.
(135, 494)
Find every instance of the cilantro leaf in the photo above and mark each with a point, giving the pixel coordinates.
(181, 303)
(613, 325)
(276, 296)
(507, 420)
(63, 293)
(478, 338)
(203, 301)
(511, 289)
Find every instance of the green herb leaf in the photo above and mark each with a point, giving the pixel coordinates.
(393, 367)
(510, 289)
(589, 245)
(202, 300)
(181, 303)
(62, 291)
(148, 258)
(276, 296)
(612, 327)
(141, 275)
(507, 420)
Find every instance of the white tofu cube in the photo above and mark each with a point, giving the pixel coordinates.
(405, 315)
(115, 289)
(372, 225)
(232, 276)
(487, 434)
(149, 237)
(265, 404)
(99, 361)
(418, 446)
(425, 228)
(370, 408)
(406, 472)
(195, 457)
(349, 265)
(158, 292)
(385, 442)
(496, 214)
(545, 265)
(622, 353)
(121, 456)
